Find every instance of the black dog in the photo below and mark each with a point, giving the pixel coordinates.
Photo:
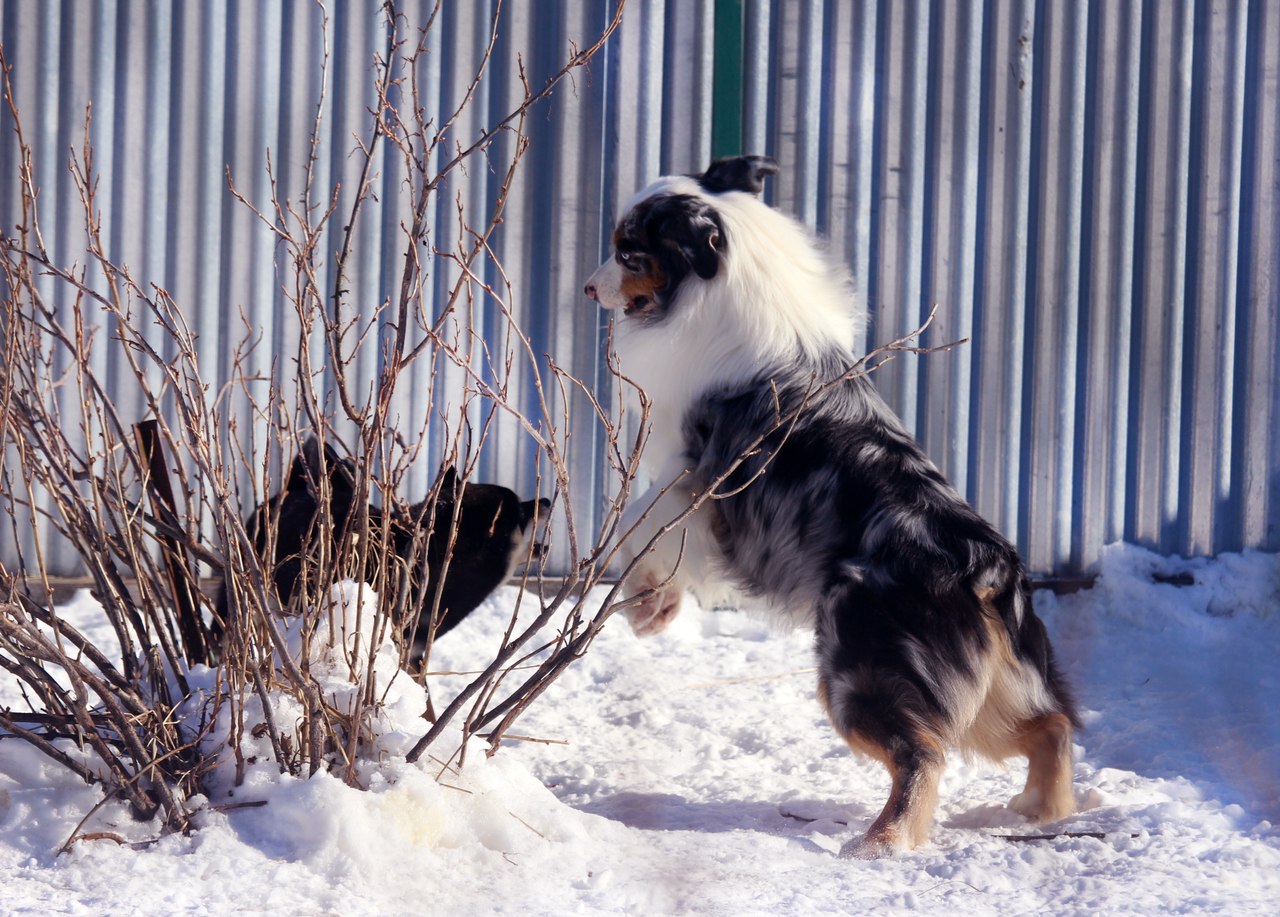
(473, 534)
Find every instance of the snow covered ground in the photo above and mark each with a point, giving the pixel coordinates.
(697, 775)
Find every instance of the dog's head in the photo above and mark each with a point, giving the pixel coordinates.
(491, 520)
(492, 517)
(666, 236)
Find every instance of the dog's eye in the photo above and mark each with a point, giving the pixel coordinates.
(628, 259)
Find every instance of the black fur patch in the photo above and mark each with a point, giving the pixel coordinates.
(738, 173)
(490, 520)
(681, 234)
(302, 530)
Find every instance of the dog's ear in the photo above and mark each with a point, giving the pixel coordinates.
(316, 458)
(738, 173)
(297, 480)
(307, 464)
(689, 226)
(449, 483)
(706, 257)
(310, 455)
(531, 508)
(316, 461)
(704, 244)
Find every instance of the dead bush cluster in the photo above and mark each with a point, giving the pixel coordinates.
(155, 506)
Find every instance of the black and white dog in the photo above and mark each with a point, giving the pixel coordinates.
(467, 543)
(740, 330)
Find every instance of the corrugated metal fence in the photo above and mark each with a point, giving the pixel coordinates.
(1089, 191)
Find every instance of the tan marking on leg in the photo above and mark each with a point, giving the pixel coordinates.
(904, 822)
(1046, 741)
(1013, 694)
(1006, 726)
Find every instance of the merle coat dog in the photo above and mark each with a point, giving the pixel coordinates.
(740, 329)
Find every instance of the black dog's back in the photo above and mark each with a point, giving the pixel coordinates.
(477, 536)
(293, 528)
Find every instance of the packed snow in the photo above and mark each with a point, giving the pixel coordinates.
(694, 773)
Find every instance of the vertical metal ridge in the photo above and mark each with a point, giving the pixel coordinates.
(1256, 471)
(1053, 290)
(1161, 268)
(898, 211)
(1107, 288)
(1218, 107)
(950, 197)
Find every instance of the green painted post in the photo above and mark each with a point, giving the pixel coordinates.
(727, 79)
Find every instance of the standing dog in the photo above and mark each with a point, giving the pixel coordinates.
(827, 510)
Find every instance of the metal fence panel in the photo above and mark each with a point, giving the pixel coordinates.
(1089, 192)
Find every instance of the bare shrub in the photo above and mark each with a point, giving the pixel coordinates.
(105, 482)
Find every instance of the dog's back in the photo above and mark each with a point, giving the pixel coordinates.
(469, 543)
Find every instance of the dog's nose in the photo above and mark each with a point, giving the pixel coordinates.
(590, 290)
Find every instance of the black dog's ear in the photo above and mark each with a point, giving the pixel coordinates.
(297, 480)
(738, 173)
(307, 464)
(449, 483)
(531, 508)
(310, 455)
(314, 462)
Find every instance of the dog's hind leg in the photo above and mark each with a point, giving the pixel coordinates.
(1046, 741)
(904, 823)
(876, 725)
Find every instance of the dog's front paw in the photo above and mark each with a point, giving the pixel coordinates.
(868, 848)
(1043, 808)
(655, 613)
